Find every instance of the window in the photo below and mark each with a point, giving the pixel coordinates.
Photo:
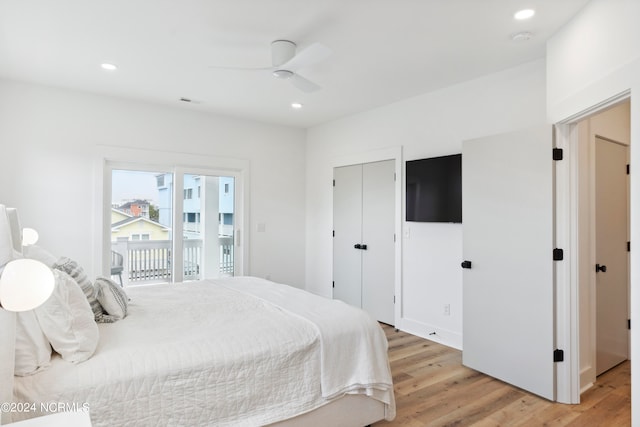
(144, 236)
(188, 193)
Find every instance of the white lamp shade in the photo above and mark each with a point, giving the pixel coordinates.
(29, 236)
(25, 284)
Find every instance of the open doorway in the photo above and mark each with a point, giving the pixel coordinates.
(603, 141)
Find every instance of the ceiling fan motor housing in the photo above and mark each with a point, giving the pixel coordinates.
(282, 51)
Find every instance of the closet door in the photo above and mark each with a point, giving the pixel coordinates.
(363, 242)
(347, 229)
(378, 229)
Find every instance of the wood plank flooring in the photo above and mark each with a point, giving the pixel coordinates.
(432, 388)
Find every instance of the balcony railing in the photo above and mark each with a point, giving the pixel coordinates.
(148, 261)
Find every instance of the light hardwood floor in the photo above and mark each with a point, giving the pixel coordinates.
(432, 388)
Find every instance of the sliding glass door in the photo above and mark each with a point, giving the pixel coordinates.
(171, 226)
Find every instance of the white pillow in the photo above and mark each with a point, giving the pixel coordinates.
(112, 298)
(67, 320)
(33, 351)
(39, 254)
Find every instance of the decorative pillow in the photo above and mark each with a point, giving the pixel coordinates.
(112, 298)
(39, 254)
(67, 320)
(33, 351)
(72, 268)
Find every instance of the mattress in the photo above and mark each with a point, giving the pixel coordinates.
(237, 351)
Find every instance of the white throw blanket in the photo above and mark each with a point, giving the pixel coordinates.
(361, 365)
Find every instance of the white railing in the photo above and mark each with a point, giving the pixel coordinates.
(145, 261)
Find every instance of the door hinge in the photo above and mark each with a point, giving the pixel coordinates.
(558, 355)
(558, 254)
(627, 169)
(629, 324)
(334, 182)
(628, 246)
(333, 284)
(394, 301)
(557, 154)
(394, 176)
(394, 237)
(333, 234)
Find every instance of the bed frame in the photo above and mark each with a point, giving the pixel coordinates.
(351, 410)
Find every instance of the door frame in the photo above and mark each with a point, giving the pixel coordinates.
(567, 237)
(391, 153)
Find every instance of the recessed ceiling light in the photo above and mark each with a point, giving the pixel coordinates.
(110, 67)
(524, 14)
(296, 105)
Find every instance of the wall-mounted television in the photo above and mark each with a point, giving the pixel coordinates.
(434, 189)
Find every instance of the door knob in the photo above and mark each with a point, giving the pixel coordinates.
(466, 264)
(600, 268)
(357, 246)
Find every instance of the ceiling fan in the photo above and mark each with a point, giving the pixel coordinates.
(285, 63)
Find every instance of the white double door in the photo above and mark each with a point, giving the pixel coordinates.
(364, 237)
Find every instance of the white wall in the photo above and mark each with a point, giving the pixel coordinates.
(589, 60)
(595, 57)
(428, 125)
(49, 138)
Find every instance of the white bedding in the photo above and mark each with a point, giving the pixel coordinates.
(220, 353)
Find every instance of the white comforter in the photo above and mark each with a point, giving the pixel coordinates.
(240, 351)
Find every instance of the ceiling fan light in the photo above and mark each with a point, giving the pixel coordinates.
(282, 74)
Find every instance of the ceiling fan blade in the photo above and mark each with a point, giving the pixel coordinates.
(222, 67)
(313, 54)
(303, 84)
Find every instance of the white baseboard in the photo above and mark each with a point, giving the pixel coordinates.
(431, 332)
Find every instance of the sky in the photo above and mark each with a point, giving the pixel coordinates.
(131, 185)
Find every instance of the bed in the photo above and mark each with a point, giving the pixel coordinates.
(238, 351)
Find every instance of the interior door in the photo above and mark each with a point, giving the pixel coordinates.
(508, 293)
(378, 229)
(347, 230)
(612, 334)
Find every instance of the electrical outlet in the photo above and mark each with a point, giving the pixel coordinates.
(447, 309)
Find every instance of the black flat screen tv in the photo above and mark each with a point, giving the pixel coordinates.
(434, 189)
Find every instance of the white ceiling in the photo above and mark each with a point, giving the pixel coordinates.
(383, 50)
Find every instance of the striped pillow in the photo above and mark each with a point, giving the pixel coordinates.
(72, 268)
(113, 299)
